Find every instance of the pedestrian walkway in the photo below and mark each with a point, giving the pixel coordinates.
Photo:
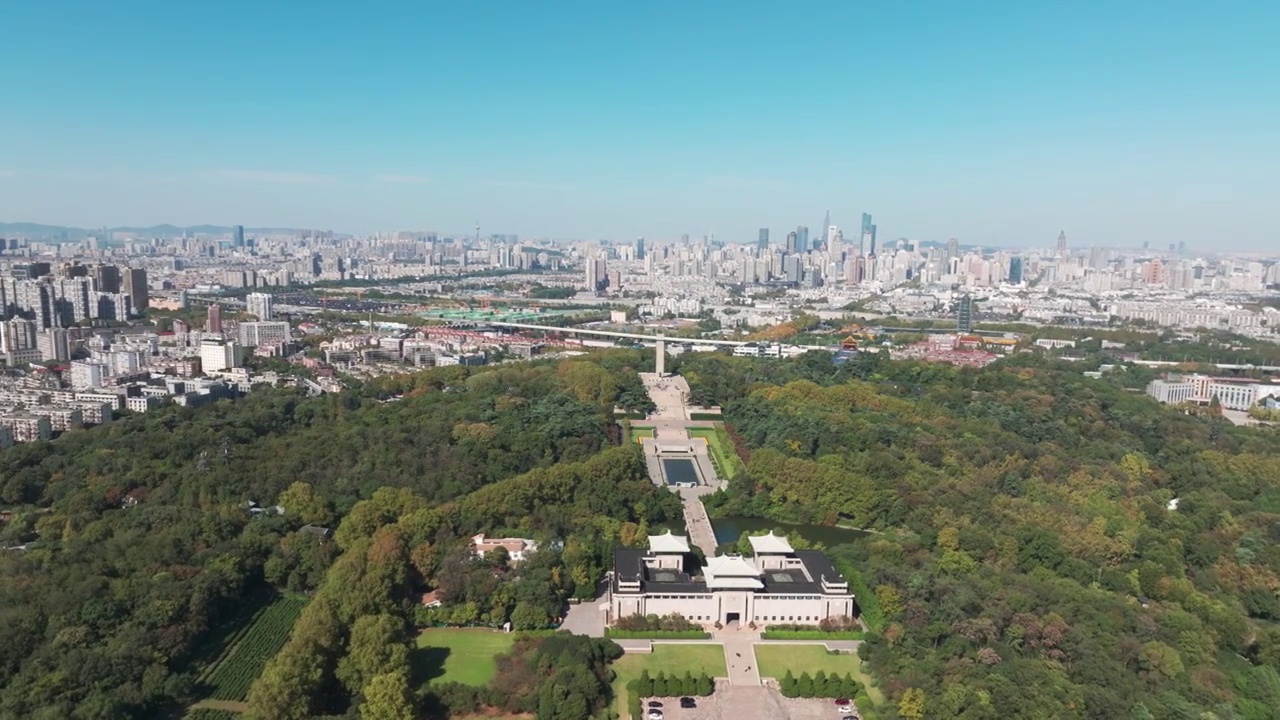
(740, 659)
(701, 533)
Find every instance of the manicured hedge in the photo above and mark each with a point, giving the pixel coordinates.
(656, 634)
(812, 635)
(706, 416)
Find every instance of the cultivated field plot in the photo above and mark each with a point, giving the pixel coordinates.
(249, 650)
(464, 655)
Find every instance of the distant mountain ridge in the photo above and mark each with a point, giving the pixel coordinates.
(37, 231)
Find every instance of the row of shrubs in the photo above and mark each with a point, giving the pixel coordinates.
(674, 621)
(656, 634)
(663, 686)
(772, 634)
(821, 685)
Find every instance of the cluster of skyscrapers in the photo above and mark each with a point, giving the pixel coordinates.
(36, 300)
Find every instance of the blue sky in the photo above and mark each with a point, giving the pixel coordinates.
(997, 122)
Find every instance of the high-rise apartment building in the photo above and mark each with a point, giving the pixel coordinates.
(135, 285)
(53, 345)
(17, 335)
(108, 278)
(213, 319)
(253, 334)
(87, 375)
(597, 274)
(259, 305)
(217, 355)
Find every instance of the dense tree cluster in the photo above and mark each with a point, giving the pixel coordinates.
(553, 677)
(671, 623)
(663, 685)
(397, 544)
(146, 536)
(819, 685)
(1031, 560)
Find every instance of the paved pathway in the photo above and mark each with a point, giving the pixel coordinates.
(740, 659)
(671, 427)
(586, 618)
(701, 533)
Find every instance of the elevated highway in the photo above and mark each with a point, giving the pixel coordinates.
(659, 341)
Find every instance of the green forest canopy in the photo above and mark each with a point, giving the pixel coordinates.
(1030, 563)
(1027, 564)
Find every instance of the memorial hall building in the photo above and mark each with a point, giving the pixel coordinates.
(776, 584)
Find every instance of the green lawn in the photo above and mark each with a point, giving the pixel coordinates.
(462, 655)
(639, 432)
(776, 659)
(671, 659)
(727, 462)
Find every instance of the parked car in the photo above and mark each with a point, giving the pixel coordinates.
(847, 711)
(843, 701)
(655, 714)
(654, 704)
(688, 702)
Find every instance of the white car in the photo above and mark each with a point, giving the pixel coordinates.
(846, 710)
(655, 715)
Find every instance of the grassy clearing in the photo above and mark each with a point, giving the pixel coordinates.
(727, 462)
(464, 655)
(776, 659)
(248, 651)
(671, 659)
(635, 433)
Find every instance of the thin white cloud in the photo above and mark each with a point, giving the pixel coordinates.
(404, 179)
(7, 173)
(271, 176)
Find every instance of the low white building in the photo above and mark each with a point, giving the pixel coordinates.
(1232, 393)
(516, 548)
(777, 584)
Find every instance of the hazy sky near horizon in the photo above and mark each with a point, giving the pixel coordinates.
(996, 122)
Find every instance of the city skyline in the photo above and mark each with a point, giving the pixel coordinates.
(1123, 124)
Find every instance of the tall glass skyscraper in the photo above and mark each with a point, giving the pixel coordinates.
(964, 314)
(1015, 269)
(763, 241)
(802, 237)
(867, 238)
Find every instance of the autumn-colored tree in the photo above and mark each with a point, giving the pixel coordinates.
(386, 697)
(912, 704)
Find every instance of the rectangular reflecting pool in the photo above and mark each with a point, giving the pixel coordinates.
(679, 471)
